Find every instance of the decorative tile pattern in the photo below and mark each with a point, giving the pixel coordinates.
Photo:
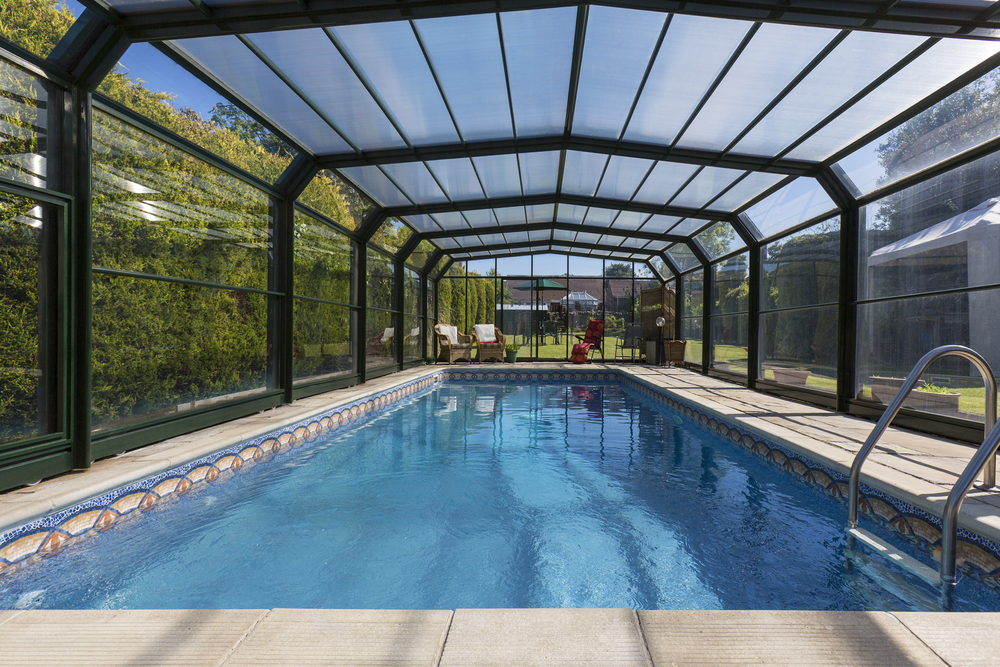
(977, 556)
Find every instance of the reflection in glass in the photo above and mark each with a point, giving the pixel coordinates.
(691, 332)
(381, 281)
(161, 211)
(719, 239)
(421, 254)
(392, 235)
(729, 340)
(36, 26)
(25, 321)
(893, 335)
(323, 260)
(413, 339)
(731, 285)
(161, 348)
(802, 269)
(23, 126)
(800, 200)
(411, 291)
(329, 194)
(380, 338)
(321, 341)
(941, 234)
(799, 347)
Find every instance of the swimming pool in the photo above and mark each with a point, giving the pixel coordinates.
(492, 495)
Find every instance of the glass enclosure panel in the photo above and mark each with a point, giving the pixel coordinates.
(893, 335)
(538, 46)
(35, 26)
(416, 182)
(155, 87)
(161, 211)
(376, 185)
(799, 347)
(957, 123)
(582, 172)
(549, 315)
(940, 234)
(411, 292)
(618, 40)
(321, 341)
(380, 345)
(24, 135)
(731, 285)
(539, 173)
(324, 261)
(689, 226)
(631, 220)
(431, 297)
(800, 200)
(465, 54)
(161, 348)
(622, 176)
(682, 257)
(329, 194)
(691, 57)
(389, 57)
(691, 331)
(660, 223)
(230, 60)
(481, 300)
(585, 301)
(705, 186)
(300, 54)
(457, 177)
(748, 188)
(851, 66)
(664, 182)
(621, 305)
(392, 235)
(939, 65)
(481, 267)
(729, 343)
(413, 341)
(585, 266)
(719, 239)
(421, 254)
(27, 325)
(775, 55)
(802, 269)
(381, 281)
(500, 176)
(451, 304)
(517, 300)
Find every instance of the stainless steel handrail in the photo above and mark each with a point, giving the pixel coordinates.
(984, 457)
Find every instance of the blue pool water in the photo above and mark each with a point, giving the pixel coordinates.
(491, 495)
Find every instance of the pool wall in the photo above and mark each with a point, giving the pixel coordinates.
(46, 536)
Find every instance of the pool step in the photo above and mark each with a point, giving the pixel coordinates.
(905, 561)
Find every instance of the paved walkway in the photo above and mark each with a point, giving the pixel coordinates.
(917, 468)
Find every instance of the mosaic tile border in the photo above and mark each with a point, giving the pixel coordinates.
(978, 557)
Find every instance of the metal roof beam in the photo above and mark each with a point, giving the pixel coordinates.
(550, 242)
(546, 226)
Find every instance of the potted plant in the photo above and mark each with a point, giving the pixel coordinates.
(511, 351)
(795, 376)
(925, 396)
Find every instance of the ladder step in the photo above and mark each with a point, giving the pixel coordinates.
(907, 562)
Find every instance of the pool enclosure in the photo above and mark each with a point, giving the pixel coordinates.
(213, 207)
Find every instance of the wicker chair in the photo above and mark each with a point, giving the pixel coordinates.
(675, 352)
(452, 352)
(489, 351)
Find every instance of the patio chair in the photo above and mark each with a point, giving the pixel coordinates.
(490, 342)
(631, 340)
(592, 339)
(454, 346)
(381, 345)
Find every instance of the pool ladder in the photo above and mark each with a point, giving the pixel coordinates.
(984, 458)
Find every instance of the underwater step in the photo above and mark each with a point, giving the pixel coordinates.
(907, 562)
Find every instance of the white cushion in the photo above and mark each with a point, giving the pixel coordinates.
(450, 332)
(387, 335)
(486, 333)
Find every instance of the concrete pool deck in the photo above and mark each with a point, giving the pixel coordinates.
(916, 468)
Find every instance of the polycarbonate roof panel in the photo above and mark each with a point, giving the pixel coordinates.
(622, 177)
(619, 43)
(446, 243)
(465, 241)
(538, 47)
(389, 57)
(339, 93)
(660, 223)
(719, 239)
(706, 185)
(851, 66)
(492, 239)
(754, 184)
(416, 181)
(582, 173)
(451, 220)
(481, 218)
(539, 235)
(517, 237)
(422, 223)
(510, 215)
(800, 200)
(376, 185)
(464, 52)
(682, 257)
(229, 60)
(688, 226)
(132, 6)
(690, 59)
(540, 212)
(631, 220)
(457, 177)
(499, 174)
(587, 237)
(940, 65)
(664, 181)
(539, 172)
(634, 243)
(571, 213)
(601, 217)
(563, 235)
(775, 55)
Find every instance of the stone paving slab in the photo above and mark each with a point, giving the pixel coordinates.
(364, 637)
(136, 638)
(960, 639)
(544, 637)
(807, 638)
